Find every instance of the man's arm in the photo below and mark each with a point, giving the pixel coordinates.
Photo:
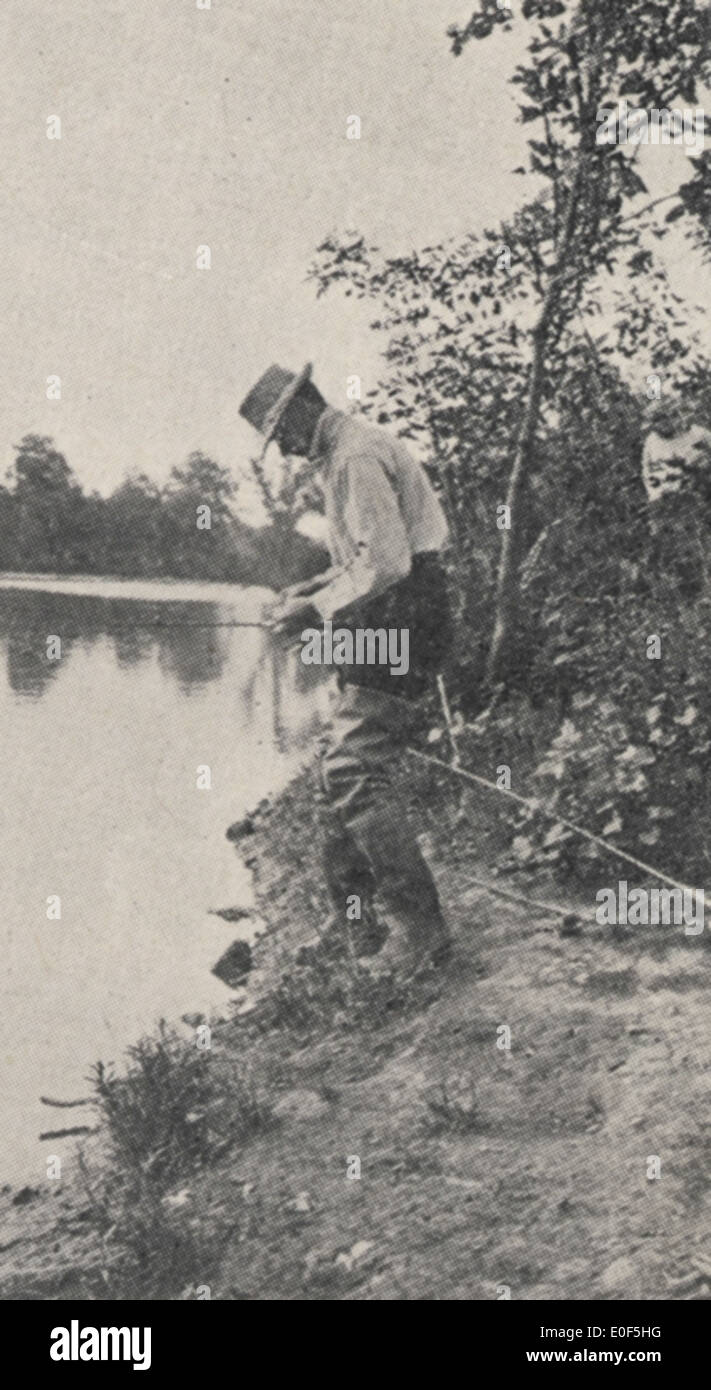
(293, 608)
(305, 587)
(373, 524)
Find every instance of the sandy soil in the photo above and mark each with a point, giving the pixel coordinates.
(482, 1169)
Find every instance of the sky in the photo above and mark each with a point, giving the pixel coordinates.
(184, 127)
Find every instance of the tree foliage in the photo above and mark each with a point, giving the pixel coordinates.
(480, 333)
(48, 524)
(516, 359)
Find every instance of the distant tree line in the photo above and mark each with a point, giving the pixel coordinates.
(49, 524)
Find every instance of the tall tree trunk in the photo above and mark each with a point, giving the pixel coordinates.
(507, 590)
(507, 574)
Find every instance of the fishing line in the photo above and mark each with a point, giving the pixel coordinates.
(537, 808)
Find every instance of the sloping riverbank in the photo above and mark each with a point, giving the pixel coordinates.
(481, 1168)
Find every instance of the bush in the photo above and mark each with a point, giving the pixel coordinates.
(176, 1106)
(173, 1110)
(627, 755)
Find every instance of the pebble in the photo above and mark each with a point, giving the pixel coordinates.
(178, 1199)
(301, 1202)
(620, 1275)
(234, 964)
(25, 1195)
(573, 1269)
(347, 1259)
(301, 1105)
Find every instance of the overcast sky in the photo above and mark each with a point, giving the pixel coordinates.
(225, 127)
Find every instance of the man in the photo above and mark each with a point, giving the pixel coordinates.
(676, 472)
(386, 529)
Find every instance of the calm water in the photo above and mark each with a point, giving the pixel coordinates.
(100, 806)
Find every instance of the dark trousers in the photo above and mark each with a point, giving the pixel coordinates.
(368, 843)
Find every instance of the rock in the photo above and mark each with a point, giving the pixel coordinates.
(193, 1020)
(248, 825)
(301, 1203)
(571, 925)
(357, 1253)
(619, 1277)
(467, 1184)
(234, 964)
(300, 1105)
(230, 914)
(178, 1199)
(685, 1284)
(25, 1195)
(316, 1268)
(237, 831)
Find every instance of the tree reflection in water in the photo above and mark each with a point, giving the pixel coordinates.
(193, 655)
(192, 643)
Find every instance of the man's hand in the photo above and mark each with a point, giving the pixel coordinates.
(290, 614)
(309, 586)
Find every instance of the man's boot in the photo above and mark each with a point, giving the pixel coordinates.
(409, 952)
(341, 940)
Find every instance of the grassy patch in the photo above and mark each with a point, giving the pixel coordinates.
(174, 1110)
(176, 1105)
(312, 1001)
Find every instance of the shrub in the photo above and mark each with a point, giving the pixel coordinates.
(176, 1106)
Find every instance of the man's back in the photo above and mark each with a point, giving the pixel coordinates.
(363, 466)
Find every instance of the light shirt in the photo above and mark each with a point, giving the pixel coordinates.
(380, 507)
(665, 461)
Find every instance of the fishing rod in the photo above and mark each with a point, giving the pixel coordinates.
(146, 624)
(126, 591)
(158, 622)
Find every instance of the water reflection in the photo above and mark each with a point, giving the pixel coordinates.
(101, 807)
(192, 642)
(193, 655)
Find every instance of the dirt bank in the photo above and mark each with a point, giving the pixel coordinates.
(481, 1168)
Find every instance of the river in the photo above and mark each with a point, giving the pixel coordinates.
(101, 808)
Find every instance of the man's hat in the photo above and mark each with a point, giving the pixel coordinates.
(265, 404)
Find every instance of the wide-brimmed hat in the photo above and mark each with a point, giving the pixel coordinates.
(265, 404)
